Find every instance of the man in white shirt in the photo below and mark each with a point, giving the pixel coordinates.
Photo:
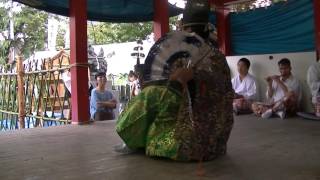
(283, 94)
(313, 79)
(244, 85)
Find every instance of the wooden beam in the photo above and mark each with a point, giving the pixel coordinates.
(316, 5)
(222, 2)
(229, 1)
(234, 1)
(79, 58)
(160, 18)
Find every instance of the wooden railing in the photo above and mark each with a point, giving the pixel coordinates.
(34, 95)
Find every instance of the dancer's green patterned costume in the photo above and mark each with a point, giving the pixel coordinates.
(182, 124)
(159, 119)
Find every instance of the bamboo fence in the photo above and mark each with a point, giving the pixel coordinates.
(34, 95)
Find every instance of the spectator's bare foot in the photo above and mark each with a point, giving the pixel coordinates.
(267, 114)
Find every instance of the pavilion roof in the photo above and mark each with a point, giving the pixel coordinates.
(105, 10)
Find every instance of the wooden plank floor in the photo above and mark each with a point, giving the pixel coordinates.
(258, 149)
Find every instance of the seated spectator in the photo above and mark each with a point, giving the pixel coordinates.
(313, 79)
(102, 102)
(134, 84)
(244, 85)
(283, 94)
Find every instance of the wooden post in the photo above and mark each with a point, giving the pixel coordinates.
(223, 27)
(160, 18)
(78, 58)
(21, 95)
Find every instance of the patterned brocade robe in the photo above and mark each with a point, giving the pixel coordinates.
(159, 119)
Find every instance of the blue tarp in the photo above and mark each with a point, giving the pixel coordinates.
(281, 28)
(105, 10)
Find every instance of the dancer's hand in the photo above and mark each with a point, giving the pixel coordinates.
(183, 75)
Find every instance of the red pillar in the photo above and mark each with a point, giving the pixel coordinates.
(160, 18)
(316, 4)
(78, 58)
(223, 27)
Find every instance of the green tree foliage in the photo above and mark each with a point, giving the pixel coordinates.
(243, 6)
(4, 44)
(4, 51)
(105, 33)
(121, 79)
(29, 31)
(60, 37)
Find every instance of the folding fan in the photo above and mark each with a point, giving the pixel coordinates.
(177, 48)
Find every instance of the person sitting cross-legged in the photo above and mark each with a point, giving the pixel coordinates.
(313, 80)
(244, 85)
(283, 94)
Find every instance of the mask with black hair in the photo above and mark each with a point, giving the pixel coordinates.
(196, 17)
